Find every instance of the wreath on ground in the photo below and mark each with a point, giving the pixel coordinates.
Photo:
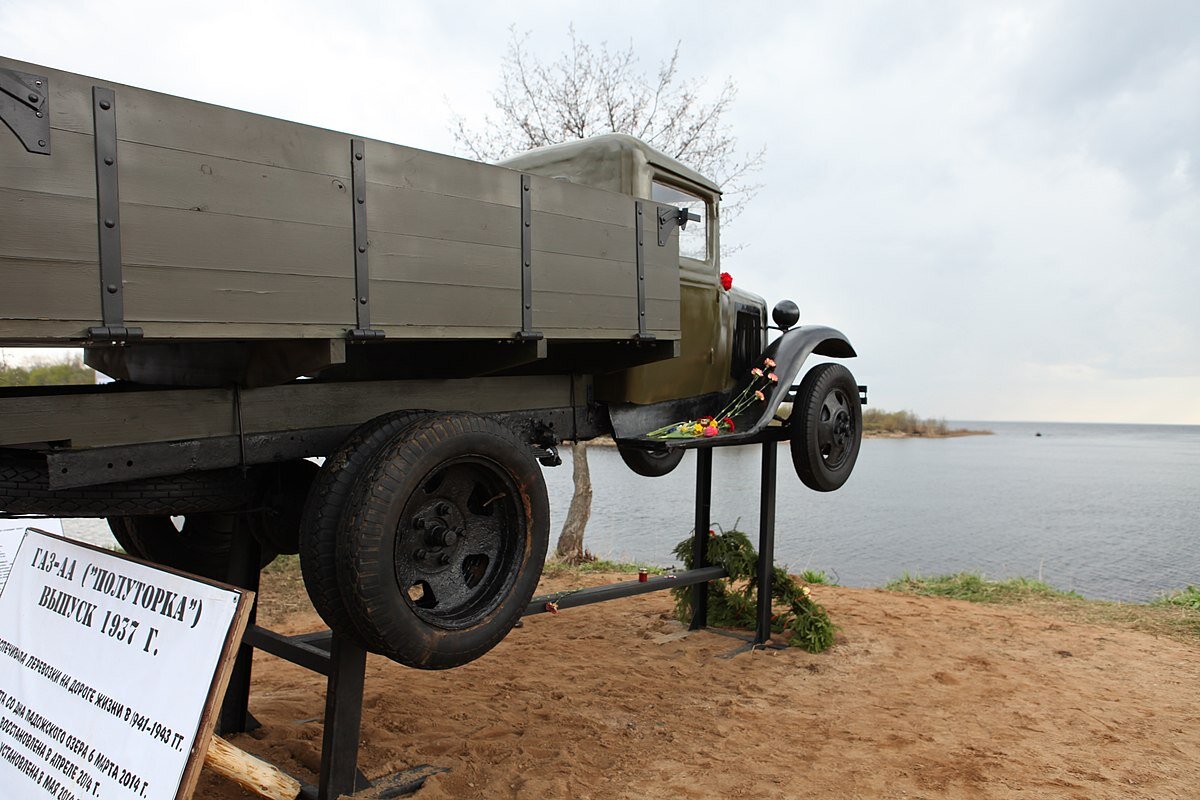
(732, 603)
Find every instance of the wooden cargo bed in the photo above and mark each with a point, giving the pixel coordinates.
(235, 226)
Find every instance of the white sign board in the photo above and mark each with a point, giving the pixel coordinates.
(106, 669)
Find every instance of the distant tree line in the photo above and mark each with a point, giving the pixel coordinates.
(876, 420)
(48, 373)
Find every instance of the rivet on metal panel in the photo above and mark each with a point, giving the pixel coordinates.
(109, 161)
(104, 104)
(33, 98)
(108, 223)
(112, 288)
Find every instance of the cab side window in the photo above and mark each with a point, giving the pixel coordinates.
(693, 240)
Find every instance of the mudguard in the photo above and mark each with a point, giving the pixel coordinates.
(789, 352)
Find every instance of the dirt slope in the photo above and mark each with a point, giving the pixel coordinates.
(921, 698)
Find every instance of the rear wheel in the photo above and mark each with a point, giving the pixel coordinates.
(196, 543)
(443, 541)
(326, 505)
(826, 427)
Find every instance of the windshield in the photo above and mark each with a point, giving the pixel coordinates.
(693, 240)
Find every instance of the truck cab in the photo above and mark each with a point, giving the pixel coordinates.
(721, 330)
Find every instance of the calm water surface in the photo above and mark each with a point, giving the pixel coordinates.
(1111, 511)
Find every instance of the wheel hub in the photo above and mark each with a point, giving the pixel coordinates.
(439, 532)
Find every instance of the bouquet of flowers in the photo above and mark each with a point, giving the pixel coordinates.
(761, 378)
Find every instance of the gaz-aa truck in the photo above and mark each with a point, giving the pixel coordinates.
(264, 292)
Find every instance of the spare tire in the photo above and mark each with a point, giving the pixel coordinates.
(443, 541)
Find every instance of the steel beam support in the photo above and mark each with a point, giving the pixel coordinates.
(245, 560)
(704, 456)
(615, 591)
(766, 541)
(343, 721)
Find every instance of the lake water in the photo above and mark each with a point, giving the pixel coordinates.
(1111, 511)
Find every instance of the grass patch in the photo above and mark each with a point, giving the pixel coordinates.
(816, 577)
(1175, 616)
(555, 568)
(975, 588)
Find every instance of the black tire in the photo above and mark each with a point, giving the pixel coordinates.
(826, 427)
(444, 541)
(24, 489)
(324, 509)
(200, 545)
(651, 463)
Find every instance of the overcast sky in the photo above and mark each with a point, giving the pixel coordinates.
(999, 203)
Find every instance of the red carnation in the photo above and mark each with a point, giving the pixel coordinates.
(726, 281)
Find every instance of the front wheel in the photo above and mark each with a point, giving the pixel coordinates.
(826, 426)
(650, 463)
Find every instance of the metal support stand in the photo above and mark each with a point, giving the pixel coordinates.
(343, 661)
(340, 659)
(245, 559)
(704, 457)
(766, 541)
(343, 721)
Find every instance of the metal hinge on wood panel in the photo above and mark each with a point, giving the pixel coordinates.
(25, 108)
(362, 272)
(639, 213)
(669, 217)
(527, 333)
(108, 222)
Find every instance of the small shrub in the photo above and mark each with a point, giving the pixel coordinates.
(816, 576)
(1183, 598)
(732, 601)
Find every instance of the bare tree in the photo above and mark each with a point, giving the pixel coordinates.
(588, 91)
(570, 541)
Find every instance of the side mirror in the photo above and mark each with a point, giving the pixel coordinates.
(786, 314)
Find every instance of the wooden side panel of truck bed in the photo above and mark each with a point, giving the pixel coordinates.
(239, 226)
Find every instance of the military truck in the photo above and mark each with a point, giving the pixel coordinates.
(265, 292)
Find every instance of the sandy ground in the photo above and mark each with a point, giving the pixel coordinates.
(921, 698)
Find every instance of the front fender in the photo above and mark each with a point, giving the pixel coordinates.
(789, 352)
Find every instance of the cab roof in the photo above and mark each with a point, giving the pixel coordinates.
(607, 162)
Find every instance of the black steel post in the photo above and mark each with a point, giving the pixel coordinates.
(245, 560)
(766, 541)
(704, 457)
(343, 720)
